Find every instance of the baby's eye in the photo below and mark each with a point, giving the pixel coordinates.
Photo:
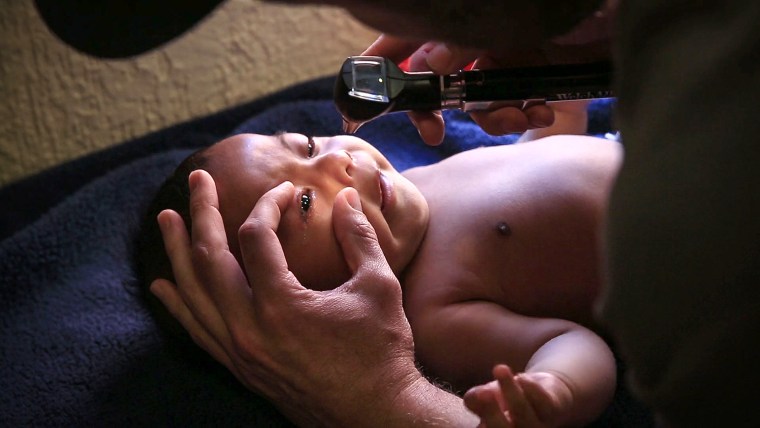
(305, 202)
(310, 147)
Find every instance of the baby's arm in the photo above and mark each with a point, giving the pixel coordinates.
(570, 118)
(529, 399)
(566, 371)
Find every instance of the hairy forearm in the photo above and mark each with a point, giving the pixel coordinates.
(418, 404)
(425, 405)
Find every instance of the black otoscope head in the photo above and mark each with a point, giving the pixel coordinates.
(368, 87)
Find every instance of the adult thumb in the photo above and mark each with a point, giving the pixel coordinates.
(442, 58)
(357, 237)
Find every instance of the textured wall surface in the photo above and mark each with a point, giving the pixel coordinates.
(57, 104)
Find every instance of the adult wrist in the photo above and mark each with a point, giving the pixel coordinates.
(384, 398)
(423, 404)
(407, 399)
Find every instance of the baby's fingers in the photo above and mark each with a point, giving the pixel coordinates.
(544, 404)
(483, 401)
(520, 411)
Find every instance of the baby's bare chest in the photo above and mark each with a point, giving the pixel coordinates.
(505, 239)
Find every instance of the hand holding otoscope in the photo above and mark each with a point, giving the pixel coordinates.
(368, 87)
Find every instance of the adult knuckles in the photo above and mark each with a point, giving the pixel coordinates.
(198, 204)
(244, 346)
(354, 226)
(204, 254)
(502, 121)
(251, 228)
(364, 230)
(379, 273)
(377, 278)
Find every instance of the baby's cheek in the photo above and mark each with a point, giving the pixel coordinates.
(320, 277)
(317, 267)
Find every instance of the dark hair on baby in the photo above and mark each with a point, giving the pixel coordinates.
(151, 259)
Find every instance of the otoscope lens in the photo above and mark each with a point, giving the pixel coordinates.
(369, 80)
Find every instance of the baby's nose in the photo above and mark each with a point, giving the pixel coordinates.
(338, 163)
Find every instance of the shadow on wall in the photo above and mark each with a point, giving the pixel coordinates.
(59, 104)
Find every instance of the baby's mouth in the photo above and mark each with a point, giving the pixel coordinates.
(386, 187)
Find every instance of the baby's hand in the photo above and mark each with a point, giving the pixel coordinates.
(522, 400)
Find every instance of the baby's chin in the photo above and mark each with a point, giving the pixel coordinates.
(404, 252)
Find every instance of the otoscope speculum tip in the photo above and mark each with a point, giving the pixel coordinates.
(351, 126)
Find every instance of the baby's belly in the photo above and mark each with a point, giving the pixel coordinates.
(522, 274)
(520, 237)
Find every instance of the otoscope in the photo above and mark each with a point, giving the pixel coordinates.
(368, 87)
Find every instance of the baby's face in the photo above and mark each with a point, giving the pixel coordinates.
(246, 166)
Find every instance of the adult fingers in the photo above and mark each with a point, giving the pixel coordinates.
(357, 237)
(393, 48)
(539, 115)
(219, 274)
(502, 121)
(446, 58)
(168, 294)
(261, 250)
(208, 226)
(430, 125)
(178, 248)
(511, 119)
(442, 58)
(511, 59)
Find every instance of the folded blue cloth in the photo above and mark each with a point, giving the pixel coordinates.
(77, 344)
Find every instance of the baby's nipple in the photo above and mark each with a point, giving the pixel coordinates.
(503, 228)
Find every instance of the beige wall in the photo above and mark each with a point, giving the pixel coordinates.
(57, 104)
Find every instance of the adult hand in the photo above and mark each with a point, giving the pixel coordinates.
(444, 59)
(493, 35)
(495, 32)
(340, 357)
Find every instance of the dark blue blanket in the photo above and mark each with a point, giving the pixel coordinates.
(77, 345)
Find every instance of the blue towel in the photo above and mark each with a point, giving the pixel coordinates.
(77, 344)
